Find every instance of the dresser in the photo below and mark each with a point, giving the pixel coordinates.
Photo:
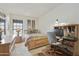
(7, 46)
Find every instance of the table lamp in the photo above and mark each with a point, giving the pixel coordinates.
(18, 30)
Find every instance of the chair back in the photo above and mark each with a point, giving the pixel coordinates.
(51, 37)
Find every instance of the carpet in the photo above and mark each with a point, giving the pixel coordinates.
(38, 54)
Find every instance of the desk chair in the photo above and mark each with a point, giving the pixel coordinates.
(52, 41)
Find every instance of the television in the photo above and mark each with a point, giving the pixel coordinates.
(59, 32)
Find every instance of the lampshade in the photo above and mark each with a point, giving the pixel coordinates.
(18, 30)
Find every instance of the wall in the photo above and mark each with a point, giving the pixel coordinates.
(20, 17)
(67, 13)
(9, 21)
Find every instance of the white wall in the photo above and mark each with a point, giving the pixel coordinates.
(9, 21)
(67, 13)
(20, 17)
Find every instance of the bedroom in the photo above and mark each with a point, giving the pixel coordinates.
(24, 26)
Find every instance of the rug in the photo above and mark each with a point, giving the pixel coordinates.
(39, 54)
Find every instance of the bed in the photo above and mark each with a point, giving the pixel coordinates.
(36, 42)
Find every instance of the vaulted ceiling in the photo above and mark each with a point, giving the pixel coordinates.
(28, 9)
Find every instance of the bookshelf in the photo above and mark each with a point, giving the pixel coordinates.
(69, 29)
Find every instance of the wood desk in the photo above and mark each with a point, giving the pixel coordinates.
(7, 46)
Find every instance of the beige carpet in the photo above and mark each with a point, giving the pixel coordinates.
(20, 50)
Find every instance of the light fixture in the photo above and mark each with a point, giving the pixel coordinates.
(56, 21)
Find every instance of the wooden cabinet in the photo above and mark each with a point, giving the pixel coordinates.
(4, 49)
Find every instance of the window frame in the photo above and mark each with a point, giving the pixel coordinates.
(18, 22)
(4, 25)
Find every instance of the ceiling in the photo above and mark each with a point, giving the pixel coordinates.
(28, 9)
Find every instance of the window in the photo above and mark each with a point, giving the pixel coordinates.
(31, 24)
(18, 24)
(2, 26)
